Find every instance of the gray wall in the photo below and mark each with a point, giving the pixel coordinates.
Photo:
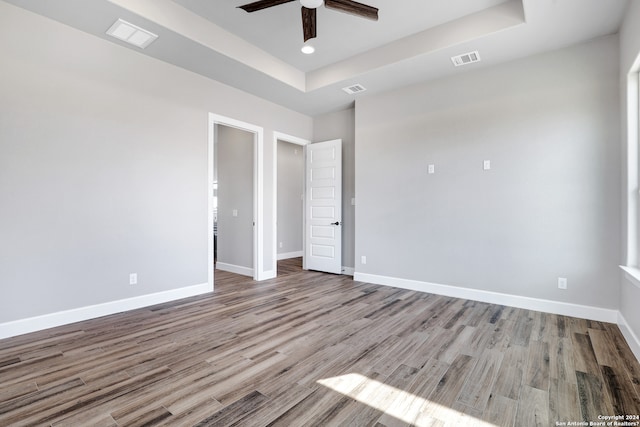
(103, 168)
(549, 206)
(629, 51)
(340, 125)
(235, 193)
(290, 202)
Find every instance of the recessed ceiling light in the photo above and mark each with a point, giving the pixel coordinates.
(131, 34)
(308, 49)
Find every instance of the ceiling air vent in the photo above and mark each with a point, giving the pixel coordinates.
(466, 58)
(354, 89)
(131, 34)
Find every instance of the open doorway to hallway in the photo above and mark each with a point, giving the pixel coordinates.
(289, 218)
(290, 200)
(233, 200)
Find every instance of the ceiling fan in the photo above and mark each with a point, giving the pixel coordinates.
(309, 11)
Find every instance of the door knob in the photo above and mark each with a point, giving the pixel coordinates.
(335, 223)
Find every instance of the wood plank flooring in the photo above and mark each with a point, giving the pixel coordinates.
(314, 349)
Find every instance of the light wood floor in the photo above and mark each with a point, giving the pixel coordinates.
(315, 349)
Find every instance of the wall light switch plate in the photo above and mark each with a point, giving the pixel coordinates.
(234, 212)
(486, 165)
(432, 169)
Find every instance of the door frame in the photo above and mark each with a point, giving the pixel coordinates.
(279, 136)
(258, 192)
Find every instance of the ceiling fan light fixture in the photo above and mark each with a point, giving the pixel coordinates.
(307, 49)
(311, 4)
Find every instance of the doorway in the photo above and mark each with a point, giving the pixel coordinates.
(233, 191)
(289, 222)
(290, 200)
(321, 221)
(235, 197)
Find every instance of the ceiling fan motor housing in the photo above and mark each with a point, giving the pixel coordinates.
(311, 4)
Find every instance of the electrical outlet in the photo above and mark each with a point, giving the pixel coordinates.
(280, 245)
(234, 212)
(363, 260)
(133, 279)
(562, 283)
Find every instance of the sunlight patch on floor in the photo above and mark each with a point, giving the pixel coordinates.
(395, 403)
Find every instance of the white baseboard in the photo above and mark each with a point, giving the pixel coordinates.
(547, 306)
(245, 271)
(38, 323)
(348, 271)
(632, 339)
(289, 255)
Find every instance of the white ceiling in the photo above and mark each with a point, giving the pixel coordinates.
(278, 30)
(411, 42)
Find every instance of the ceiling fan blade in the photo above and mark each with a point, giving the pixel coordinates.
(354, 8)
(262, 4)
(308, 23)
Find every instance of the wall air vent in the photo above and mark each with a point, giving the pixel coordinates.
(357, 88)
(466, 58)
(131, 34)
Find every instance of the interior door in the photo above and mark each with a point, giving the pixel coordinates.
(323, 206)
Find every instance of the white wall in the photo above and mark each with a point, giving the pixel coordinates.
(234, 163)
(103, 168)
(290, 203)
(548, 208)
(340, 125)
(629, 52)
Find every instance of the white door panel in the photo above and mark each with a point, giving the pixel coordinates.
(323, 207)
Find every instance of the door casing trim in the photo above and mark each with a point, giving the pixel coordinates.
(258, 192)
